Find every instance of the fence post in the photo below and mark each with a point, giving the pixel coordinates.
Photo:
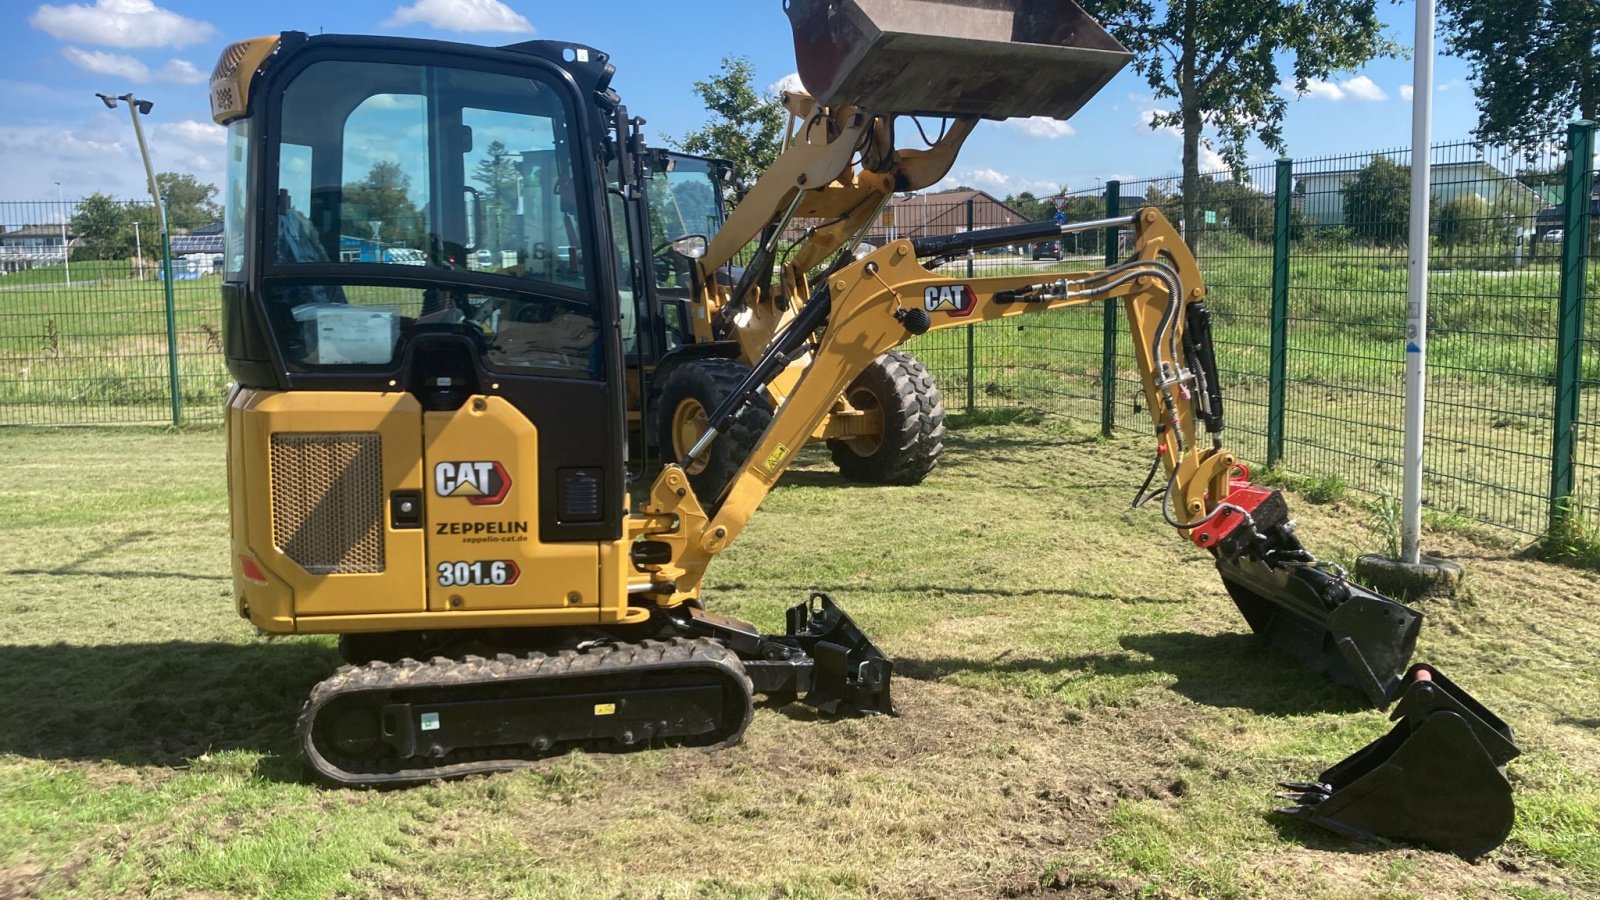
(172, 314)
(1277, 367)
(1108, 337)
(1569, 317)
(972, 360)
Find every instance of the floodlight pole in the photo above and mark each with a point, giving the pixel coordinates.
(1417, 287)
(66, 245)
(135, 108)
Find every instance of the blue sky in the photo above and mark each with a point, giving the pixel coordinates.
(58, 55)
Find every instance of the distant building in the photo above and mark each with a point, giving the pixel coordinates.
(28, 246)
(938, 214)
(1321, 194)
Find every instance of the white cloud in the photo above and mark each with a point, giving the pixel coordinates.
(121, 23)
(1406, 92)
(1042, 127)
(789, 82)
(1211, 160)
(100, 154)
(1359, 87)
(1363, 88)
(988, 178)
(461, 15)
(1147, 118)
(102, 63)
(1451, 85)
(181, 71)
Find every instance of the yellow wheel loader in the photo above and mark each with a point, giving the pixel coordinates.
(431, 461)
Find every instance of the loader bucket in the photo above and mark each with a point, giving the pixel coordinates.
(992, 58)
(1437, 778)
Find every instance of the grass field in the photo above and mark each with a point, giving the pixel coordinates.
(1083, 712)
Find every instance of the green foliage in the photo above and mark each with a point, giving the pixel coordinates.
(1533, 63)
(1464, 220)
(1385, 520)
(1221, 63)
(497, 172)
(1033, 209)
(102, 227)
(1377, 202)
(190, 201)
(1574, 540)
(745, 127)
(384, 198)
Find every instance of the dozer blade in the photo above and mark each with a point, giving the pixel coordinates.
(991, 58)
(1437, 778)
(1306, 608)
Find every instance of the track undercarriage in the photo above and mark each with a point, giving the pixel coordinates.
(688, 678)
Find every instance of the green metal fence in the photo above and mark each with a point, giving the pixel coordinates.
(1305, 260)
(1306, 265)
(86, 338)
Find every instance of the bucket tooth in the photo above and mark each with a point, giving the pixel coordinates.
(1437, 778)
(996, 59)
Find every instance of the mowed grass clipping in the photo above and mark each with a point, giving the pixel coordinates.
(1083, 711)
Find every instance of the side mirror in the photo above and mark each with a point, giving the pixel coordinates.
(691, 246)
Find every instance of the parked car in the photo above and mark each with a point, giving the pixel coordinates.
(1047, 250)
(1554, 236)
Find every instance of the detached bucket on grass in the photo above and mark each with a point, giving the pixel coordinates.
(992, 58)
(1438, 778)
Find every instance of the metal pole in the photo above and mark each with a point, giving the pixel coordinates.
(138, 250)
(1417, 293)
(1108, 320)
(1278, 362)
(66, 245)
(166, 262)
(1569, 319)
(972, 353)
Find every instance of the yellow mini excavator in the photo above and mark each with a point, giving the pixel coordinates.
(442, 286)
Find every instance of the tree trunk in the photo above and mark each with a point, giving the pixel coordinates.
(1189, 107)
(1191, 173)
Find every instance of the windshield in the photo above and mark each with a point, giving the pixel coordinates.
(684, 200)
(401, 165)
(421, 172)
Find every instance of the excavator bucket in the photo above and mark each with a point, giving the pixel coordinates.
(1304, 607)
(1438, 778)
(992, 58)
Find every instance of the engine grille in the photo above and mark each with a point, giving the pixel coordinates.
(327, 501)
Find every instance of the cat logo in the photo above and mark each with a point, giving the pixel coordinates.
(956, 298)
(482, 483)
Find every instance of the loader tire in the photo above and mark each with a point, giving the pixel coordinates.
(690, 393)
(913, 423)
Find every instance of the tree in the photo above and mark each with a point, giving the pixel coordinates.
(103, 228)
(1534, 63)
(1464, 220)
(497, 172)
(745, 128)
(1031, 208)
(1377, 202)
(1220, 60)
(189, 200)
(384, 198)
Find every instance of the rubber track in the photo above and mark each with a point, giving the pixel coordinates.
(409, 674)
(913, 424)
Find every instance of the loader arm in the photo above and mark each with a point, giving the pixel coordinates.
(888, 297)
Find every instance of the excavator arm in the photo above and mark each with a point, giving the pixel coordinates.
(894, 294)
